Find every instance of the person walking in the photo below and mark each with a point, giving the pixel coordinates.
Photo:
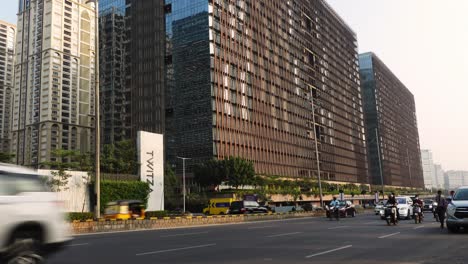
(441, 208)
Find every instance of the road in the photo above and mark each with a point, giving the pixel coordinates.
(363, 239)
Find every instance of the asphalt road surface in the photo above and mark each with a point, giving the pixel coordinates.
(363, 239)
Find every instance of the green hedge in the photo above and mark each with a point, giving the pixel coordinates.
(79, 216)
(123, 190)
(150, 214)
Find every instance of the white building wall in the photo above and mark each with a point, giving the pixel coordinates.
(428, 169)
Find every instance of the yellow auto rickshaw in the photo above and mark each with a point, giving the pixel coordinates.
(125, 209)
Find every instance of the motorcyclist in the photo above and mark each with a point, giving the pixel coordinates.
(441, 207)
(418, 202)
(393, 202)
(334, 202)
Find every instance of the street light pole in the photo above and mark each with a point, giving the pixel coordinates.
(377, 141)
(96, 110)
(317, 153)
(183, 178)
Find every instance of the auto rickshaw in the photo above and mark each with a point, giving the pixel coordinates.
(125, 209)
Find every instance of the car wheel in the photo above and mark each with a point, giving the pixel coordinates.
(452, 228)
(24, 250)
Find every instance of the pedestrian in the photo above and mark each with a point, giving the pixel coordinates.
(441, 207)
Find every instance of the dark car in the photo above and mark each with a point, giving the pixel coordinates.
(429, 206)
(246, 207)
(346, 209)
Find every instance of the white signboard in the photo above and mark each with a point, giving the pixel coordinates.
(151, 158)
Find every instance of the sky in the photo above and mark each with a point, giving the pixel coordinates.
(425, 43)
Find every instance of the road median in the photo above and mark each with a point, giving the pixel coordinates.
(102, 226)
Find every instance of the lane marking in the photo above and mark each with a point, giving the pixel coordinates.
(389, 235)
(418, 227)
(77, 245)
(373, 222)
(329, 251)
(286, 234)
(260, 227)
(186, 234)
(174, 249)
(337, 227)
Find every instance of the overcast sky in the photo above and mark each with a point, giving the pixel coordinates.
(425, 43)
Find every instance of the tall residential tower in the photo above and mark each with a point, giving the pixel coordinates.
(7, 52)
(54, 79)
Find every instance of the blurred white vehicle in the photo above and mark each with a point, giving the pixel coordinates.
(32, 223)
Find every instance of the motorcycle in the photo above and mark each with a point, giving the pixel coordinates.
(391, 214)
(418, 214)
(333, 211)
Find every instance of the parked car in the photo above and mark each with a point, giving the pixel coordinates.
(457, 210)
(346, 208)
(379, 206)
(33, 224)
(429, 206)
(246, 207)
(405, 208)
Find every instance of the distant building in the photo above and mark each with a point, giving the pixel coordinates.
(265, 80)
(428, 169)
(7, 53)
(456, 179)
(54, 88)
(392, 131)
(439, 175)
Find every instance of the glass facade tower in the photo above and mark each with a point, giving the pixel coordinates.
(249, 78)
(391, 123)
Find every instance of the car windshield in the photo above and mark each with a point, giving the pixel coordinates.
(427, 201)
(462, 194)
(401, 200)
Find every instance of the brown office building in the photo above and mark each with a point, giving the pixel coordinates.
(391, 121)
(245, 77)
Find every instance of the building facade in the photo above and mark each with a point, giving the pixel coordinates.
(114, 89)
(265, 80)
(54, 88)
(439, 176)
(428, 169)
(392, 131)
(132, 46)
(456, 179)
(7, 53)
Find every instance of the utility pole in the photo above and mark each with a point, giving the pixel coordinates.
(96, 110)
(377, 141)
(317, 153)
(183, 178)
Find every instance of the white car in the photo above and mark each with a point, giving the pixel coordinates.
(457, 210)
(405, 207)
(379, 206)
(33, 223)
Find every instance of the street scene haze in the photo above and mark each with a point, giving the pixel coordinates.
(233, 131)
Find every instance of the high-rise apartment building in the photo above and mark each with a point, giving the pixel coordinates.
(54, 89)
(428, 169)
(132, 46)
(265, 80)
(439, 174)
(392, 131)
(7, 52)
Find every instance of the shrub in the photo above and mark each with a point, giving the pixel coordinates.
(150, 214)
(123, 190)
(79, 216)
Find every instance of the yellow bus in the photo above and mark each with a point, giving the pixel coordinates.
(218, 206)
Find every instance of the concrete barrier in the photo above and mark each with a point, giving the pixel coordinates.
(90, 226)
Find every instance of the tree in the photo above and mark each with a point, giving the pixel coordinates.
(6, 157)
(64, 160)
(239, 171)
(171, 186)
(210, 174)
(120, 157)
